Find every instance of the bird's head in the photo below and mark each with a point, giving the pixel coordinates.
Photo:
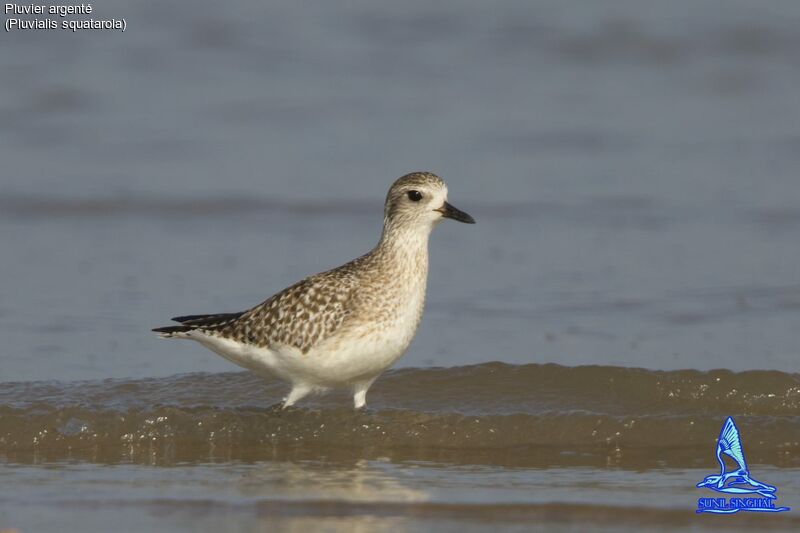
(709, 481)
(419, 200)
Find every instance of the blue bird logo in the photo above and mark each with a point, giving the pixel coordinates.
(736, 481)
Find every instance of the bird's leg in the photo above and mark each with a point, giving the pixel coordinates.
(360, 393)
(297, 393)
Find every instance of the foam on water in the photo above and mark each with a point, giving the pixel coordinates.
(492, 413)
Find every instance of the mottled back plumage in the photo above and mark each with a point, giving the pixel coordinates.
(285, 318)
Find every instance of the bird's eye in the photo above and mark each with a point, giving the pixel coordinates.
(414, 196)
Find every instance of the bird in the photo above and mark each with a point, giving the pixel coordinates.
(344, 327)
(730, 443)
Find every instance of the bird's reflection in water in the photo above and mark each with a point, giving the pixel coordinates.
(342, 496)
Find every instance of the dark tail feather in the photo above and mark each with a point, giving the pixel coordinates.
(191, 322)
(169, 330)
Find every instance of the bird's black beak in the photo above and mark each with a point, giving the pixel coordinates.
(448, 211)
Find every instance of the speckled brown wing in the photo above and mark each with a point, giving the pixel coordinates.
(301, 315)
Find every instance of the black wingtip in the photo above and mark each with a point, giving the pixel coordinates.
(203, 320)
(187, 318)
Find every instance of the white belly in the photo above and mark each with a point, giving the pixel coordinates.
(355, 356)
(359, 356)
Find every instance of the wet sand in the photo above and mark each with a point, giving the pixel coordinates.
(371, 495)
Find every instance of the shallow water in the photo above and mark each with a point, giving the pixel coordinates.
(561, 447)
(494, 414)
(633, 172)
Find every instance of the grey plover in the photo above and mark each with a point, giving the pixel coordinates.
(346, 326)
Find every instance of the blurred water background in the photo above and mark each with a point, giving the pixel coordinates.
(633, 169)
